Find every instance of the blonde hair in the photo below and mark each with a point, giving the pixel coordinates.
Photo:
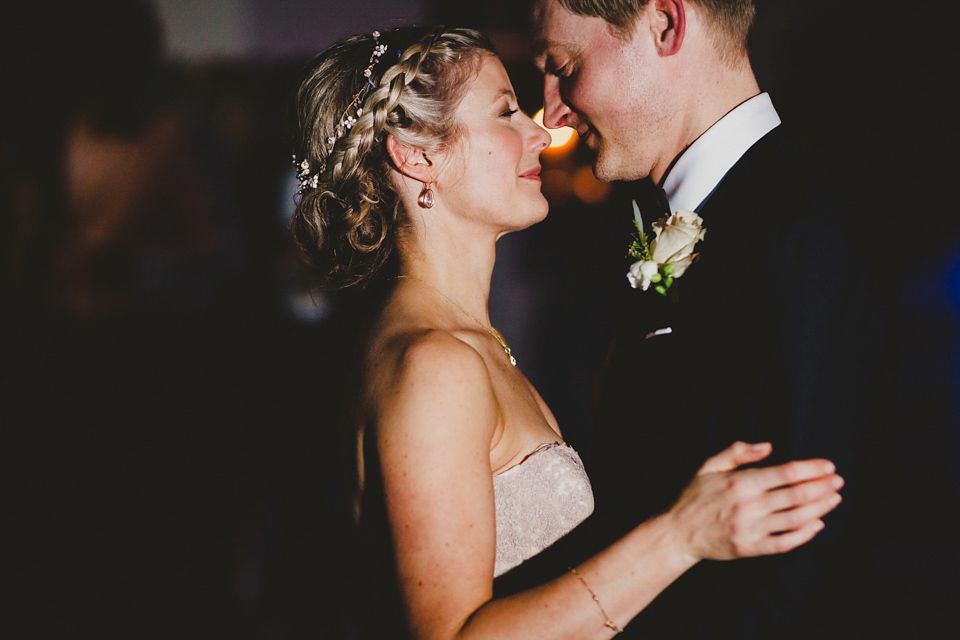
(347, 223)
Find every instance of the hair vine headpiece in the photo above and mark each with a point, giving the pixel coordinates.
(349, 118)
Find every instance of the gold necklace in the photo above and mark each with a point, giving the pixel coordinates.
(492, 332)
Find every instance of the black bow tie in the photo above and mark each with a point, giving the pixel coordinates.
(652, 200)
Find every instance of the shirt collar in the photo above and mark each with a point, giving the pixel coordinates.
(701, 167)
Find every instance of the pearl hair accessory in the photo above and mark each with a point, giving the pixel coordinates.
(354, 110)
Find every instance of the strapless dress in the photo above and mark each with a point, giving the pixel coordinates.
(538, 501)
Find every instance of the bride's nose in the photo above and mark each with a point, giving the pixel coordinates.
(540, 138)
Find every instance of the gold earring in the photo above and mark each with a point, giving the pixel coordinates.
(426, 196)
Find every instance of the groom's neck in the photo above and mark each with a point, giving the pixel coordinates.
(712, 90)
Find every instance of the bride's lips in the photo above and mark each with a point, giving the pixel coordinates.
(532, 174)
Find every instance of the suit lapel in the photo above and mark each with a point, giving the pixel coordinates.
(666, 377)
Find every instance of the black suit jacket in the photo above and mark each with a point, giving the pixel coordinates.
(778, 335)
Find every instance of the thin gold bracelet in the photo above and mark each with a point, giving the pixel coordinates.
(607, 622)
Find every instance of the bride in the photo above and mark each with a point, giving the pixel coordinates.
(413, 160)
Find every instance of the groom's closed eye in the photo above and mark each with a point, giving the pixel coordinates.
(549, 65)
(559, 67)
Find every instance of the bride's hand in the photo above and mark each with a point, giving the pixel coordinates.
(725, 514)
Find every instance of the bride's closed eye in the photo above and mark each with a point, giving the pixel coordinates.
(508, 112)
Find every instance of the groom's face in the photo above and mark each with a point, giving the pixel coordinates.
(614, 90)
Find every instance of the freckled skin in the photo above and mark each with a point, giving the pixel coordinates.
(480, 178)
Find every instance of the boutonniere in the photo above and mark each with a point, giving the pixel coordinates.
(665, 257)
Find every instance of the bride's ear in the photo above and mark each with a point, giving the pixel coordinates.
(412, 162)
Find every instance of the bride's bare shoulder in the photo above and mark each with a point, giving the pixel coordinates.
(420, 375)
(422, 355)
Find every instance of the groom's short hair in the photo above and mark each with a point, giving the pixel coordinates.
(733, 17)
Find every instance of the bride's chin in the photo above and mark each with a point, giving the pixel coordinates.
(535, 216)
(537, 212)
(529, 215)
(543, 212)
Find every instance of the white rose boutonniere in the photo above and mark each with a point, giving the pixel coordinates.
(667, 256)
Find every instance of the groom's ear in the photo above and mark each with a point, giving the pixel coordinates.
(412, 162)
(668, 23)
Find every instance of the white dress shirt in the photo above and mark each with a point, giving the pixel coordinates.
(701, 167)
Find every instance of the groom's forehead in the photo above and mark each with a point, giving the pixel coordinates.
(548, 39)
(549, 20)
(557, 30)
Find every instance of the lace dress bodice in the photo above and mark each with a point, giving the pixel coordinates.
(538, 502)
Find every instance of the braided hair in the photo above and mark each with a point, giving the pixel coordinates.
(348, 215)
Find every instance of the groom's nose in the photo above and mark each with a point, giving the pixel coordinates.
(556, 113)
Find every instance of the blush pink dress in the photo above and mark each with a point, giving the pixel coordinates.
(538, 501)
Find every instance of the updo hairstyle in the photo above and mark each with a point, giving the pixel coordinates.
(347, 224)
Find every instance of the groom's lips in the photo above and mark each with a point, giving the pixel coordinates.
(589, 136)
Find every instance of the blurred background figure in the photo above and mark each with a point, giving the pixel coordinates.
(147, 229)
(173, 382)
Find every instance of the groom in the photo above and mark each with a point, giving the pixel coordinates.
(772, 335)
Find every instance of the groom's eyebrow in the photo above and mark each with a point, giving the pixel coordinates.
(539, 47)
(539, 50)
(543, 49)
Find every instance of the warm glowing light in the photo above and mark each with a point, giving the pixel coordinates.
(589, 189)
(557, 186)
(562, 138)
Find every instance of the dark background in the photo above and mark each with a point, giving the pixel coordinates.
(172, 382)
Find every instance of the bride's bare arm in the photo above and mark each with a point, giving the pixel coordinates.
(435, 422)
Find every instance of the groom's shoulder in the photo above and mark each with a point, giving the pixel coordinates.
(779, 177)
(775, 163)
(805, 218)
